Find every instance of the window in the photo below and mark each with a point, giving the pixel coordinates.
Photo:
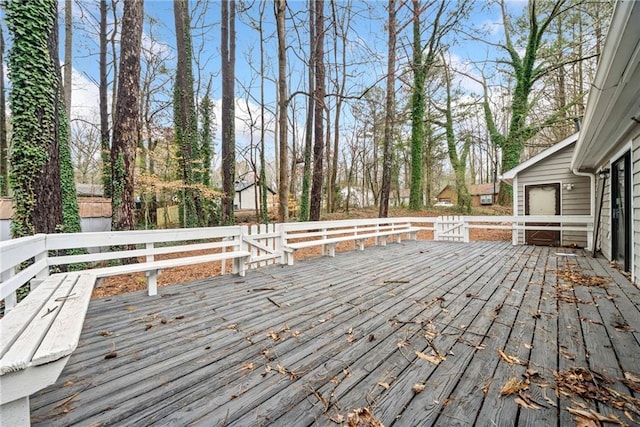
(486, 199)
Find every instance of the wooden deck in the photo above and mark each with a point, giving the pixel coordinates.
(307, 344)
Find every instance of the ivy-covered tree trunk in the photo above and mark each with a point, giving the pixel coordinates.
(34, 100)
(126, 124)
(228, 16)
(4, 143)
(185, 119)
(417, 114)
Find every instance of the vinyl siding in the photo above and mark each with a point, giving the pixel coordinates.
(635, 166)
(576, 201)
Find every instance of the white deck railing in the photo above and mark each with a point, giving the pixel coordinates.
(25, 259)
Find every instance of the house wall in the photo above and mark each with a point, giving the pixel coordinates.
(635, 196)
(556, 169)
(605, 238)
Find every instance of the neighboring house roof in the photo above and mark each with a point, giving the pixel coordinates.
(613, 108)
(243, 185)
(484, 189)
(447, 187)
(89, 190)
(510, 174)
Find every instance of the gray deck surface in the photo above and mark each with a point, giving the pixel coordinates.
(305, 344)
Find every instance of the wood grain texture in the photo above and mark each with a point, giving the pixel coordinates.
(300, 345)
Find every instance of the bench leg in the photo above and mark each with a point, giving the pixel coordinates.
(238, 266)
(289, 258)
(332, 249)
(383, 240)
(152, 282)
(361, 244)
(399, 238)
(15, 413)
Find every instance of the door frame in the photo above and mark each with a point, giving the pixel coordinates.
(624, 156)
(556, 235)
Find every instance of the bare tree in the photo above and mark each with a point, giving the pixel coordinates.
(126, 124)
(68, 55)
(228, 39)
(105, 138)
(283, 179)
(389, 117)
(4, 143)
(318, 130)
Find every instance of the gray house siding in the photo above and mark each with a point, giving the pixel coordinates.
(635, 165)
(576, 201)
(605, 221)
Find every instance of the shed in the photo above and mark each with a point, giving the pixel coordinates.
(546, 185)
(448, 194)
(245, 195)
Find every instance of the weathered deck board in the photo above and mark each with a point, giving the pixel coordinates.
(305, 344)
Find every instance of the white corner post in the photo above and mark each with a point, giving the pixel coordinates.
(152, 275)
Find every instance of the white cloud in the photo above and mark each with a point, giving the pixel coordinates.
(85, 98)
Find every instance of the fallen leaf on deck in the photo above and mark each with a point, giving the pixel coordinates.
(417, 388)
(106, 333)
(585, 422)
(593, 415)
(179, 317)
(525, 404)
(433, 359)
(569, 356)
(337, 418)
(148, 326)
(631, 377)
(512, 360)
(403, 343)
(248, 366)
(362, 417)
(111, 355)
(273, 336)
(384, 385)
(513, 386)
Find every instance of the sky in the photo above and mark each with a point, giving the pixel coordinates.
(366, 46)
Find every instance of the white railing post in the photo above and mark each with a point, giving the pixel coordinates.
(465, 229)
(152, 275)
(10, 300)
(436, 228)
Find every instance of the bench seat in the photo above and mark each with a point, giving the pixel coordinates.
(153, 267)
(38, 336)
(289, 248)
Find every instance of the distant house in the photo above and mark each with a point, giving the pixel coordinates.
(484, 194)
(546, 185)
(448, 194)
(245, 195)
(481, 194)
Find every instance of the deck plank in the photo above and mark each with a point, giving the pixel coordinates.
(305, 344)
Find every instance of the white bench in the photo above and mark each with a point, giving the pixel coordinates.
(226, 240)
(357, 234)
(38, 336)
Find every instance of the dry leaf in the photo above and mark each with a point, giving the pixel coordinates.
(403, 343)
(428, 358)
(417, 388)
(337, 418)
(148, 326)
(362, 417)
(529, 405)
(513, 386)
(593, 415)
(273, 336)
(384, 385)
(106, 333)
(248, 366)
(585, 422)
(111, 355)
(512, 360)
(631, 377)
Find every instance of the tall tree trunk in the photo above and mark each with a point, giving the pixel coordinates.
(417, 113)
(263, 175)
(283, 181)
(308, 135)
(4, 143)
(319, 93)
(185, 118)
(34, 100)
(126, 123)
(389, 118)
(228, 12)
(105, 145)
(68, 49)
